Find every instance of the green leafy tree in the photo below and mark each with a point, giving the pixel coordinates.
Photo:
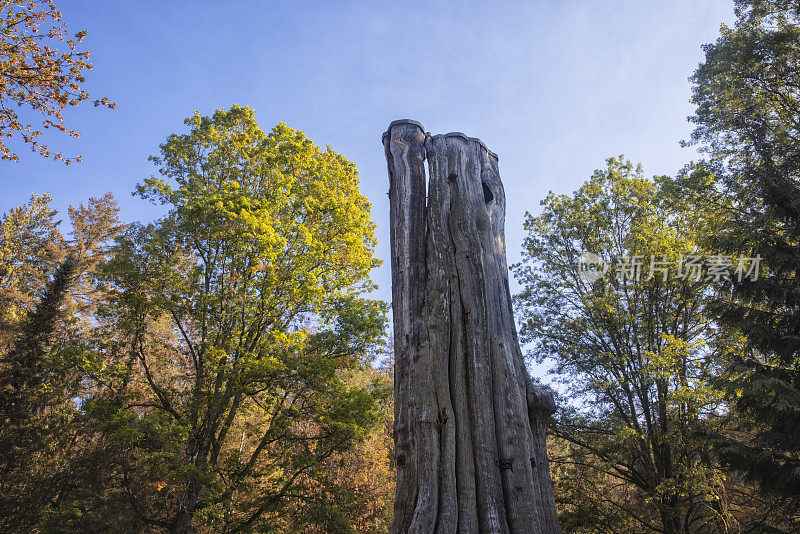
(588, 497)
(356, 488)
(230, 328)
(632, 350)
(748, 105)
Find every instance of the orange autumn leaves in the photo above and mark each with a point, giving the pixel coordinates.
(41, 72)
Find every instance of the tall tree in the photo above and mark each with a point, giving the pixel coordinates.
(748, 122)
(31, 387)
(631, 347)
(232, 325)
(47, 309)
(30, 248)
(41, 69)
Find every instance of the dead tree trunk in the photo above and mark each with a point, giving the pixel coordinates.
(469, 423)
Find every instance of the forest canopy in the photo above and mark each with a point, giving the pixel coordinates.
(226, 366)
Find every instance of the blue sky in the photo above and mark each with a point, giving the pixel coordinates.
(553, 87)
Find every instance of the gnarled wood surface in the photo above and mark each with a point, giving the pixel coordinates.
(469, 423)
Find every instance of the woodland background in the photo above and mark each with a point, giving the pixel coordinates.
(225, 367)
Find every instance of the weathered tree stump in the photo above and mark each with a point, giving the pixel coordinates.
(469, 423)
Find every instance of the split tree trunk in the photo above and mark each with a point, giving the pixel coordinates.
(469, 423)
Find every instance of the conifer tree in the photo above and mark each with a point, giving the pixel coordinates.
(748, 121)
(30, 389)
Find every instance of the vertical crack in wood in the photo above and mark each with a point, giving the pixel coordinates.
(469, 422)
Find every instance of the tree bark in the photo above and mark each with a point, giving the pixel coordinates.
(469, 422)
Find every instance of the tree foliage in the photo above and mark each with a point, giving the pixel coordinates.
(46, 306)
(209, 371)
(748, 106)
(31, 398)
(30, 248)
(355, 492)
(229, 330)
(41, 70)
(635, 355)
